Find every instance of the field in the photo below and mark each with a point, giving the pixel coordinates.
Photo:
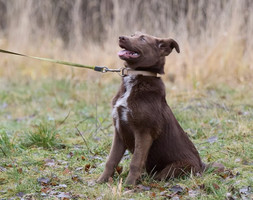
(55, 121)
(56, 134)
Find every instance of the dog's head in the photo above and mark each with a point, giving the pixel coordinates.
(145, 52)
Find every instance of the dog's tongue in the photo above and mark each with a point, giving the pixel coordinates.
(128, 54)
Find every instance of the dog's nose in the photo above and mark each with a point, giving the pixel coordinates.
(122, 38)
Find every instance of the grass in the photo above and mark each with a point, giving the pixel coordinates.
(43, 135)
(55, 135)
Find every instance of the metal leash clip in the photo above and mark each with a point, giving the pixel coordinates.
(122, 71)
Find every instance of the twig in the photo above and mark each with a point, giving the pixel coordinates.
(84, 140)
(61, 122)
(13, 162)
(99, 126)
(96, 115)
(3, 152)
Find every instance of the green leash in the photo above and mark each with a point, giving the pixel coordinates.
(95, 68)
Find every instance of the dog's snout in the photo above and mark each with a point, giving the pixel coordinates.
(122, 38)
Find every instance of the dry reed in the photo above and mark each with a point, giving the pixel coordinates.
(215, 36)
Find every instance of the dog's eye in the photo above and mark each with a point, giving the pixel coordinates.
(142, 38)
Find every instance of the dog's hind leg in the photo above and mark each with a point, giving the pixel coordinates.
(116, 153)
(143, 143)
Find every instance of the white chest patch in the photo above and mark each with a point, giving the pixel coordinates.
(122, 102)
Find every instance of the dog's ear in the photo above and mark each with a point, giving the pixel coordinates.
(167, 45)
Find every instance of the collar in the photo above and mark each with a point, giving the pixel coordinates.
(128, 71)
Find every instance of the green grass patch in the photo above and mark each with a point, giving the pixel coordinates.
(6, 144)
(43, 135)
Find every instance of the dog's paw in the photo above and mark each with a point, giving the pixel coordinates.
(130, 181)
(102, 179)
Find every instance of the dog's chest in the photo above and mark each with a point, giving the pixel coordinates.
(121, 110)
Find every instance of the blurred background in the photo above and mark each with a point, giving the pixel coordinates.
(215, 36)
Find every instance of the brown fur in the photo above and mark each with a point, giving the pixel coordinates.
(149, 129)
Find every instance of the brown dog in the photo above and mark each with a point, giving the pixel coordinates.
(144, 123)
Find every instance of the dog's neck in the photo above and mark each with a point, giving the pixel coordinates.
(128, 71)
(157, 67)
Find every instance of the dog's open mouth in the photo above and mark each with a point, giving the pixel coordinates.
(126, 54)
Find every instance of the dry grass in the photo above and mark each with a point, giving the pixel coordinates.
(214, 36)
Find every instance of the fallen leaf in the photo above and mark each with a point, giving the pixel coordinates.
(154, 185)
(229, 196)
(79, 169)
(75, 178)
(66, 171)
(245, 190)
(163, 193)
(64, 196)
(91, 183)
(45, 190)
(3, 105)
(227, 174)
(87, 167)
(243, 113)
(209, 157)
(49, 162)
(62, 186)
(2, 169)
(144, 188)
(212, 139)
(152, 194)
(96, 158)
(62, 162)
(54, 183)
(3, 181)
(193, 193)
(43, 181)
(215, 186)
(20, 170)
(20, 194)
(245, 162)
(70, 155)
(166, 185)
(175, 198)
(202, 187)
(177, 189)
(128, 191)
(119, 169)
(218, 168)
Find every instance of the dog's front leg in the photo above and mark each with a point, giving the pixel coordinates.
(116, 153)
(143, 143)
